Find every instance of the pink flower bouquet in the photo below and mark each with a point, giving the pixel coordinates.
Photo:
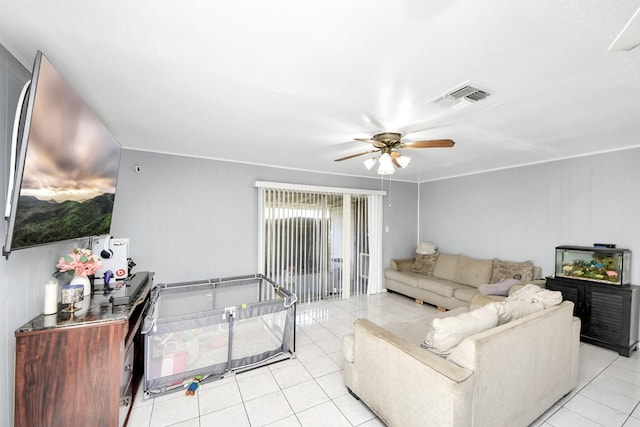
(80, 262)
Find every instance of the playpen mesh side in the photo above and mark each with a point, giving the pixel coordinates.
(210, 341)
(260, 332)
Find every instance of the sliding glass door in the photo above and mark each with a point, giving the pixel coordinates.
(315, 243)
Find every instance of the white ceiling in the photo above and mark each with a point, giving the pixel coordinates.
(291, 83)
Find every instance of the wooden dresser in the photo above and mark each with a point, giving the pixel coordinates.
(82, 370)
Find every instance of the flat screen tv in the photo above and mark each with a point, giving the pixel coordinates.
(66, 166)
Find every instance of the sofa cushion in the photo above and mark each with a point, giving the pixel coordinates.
(473, 271)
(465, 293)
(401, 264)
(445, 334)
(407, 277)
(446, 266)
(512, 310)
(478, 300)
(522, 271)
(424, 264)
(500, 288)
(442, 287)
(414, 330)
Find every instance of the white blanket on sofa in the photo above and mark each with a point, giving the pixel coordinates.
(531, 293)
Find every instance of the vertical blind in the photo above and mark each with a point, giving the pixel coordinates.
(318, 243)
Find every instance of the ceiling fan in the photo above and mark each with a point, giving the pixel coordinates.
(389, 144)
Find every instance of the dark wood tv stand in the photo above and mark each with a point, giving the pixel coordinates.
(81, 370)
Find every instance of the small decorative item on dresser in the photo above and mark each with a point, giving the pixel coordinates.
(71, 294)
(82, 279)
(82, 264)
(50, 297)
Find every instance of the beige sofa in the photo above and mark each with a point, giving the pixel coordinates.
(513, 372)
(451, 280)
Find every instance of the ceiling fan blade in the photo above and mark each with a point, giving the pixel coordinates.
(394, 159)
(432, 143)
(371, 141)
(355, 155)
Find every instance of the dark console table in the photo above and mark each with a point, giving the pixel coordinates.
(609, 313)
(82, 370)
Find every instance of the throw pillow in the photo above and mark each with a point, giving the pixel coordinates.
(424, 264)
(446, 333)
(512, 310)
(531, 293)
(464, 354)
(501, 288)
(522, 271)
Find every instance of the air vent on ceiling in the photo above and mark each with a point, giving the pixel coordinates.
(461, 96)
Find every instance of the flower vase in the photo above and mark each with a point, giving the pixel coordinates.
(81, 279)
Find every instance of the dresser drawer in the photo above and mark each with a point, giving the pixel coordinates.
(127, 373)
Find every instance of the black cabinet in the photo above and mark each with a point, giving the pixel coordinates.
(608, 313)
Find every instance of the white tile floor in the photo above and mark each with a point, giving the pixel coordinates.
(308, 390)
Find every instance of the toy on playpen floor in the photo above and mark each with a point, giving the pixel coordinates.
(193, 385)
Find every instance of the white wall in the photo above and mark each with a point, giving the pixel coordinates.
(524, 213)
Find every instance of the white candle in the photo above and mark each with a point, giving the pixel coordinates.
(51, 297)
(50, 320)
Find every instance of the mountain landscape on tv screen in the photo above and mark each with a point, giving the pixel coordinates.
(39, 222)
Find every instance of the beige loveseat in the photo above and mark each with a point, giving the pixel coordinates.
(451, 280)
(511, 373)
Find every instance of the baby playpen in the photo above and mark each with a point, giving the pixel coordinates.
(212, 327)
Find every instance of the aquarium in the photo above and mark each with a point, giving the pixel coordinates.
(597, 264)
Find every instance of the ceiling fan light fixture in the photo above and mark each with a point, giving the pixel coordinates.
(389, 144)
(385, 165)
(403, 161)
(369, 163)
